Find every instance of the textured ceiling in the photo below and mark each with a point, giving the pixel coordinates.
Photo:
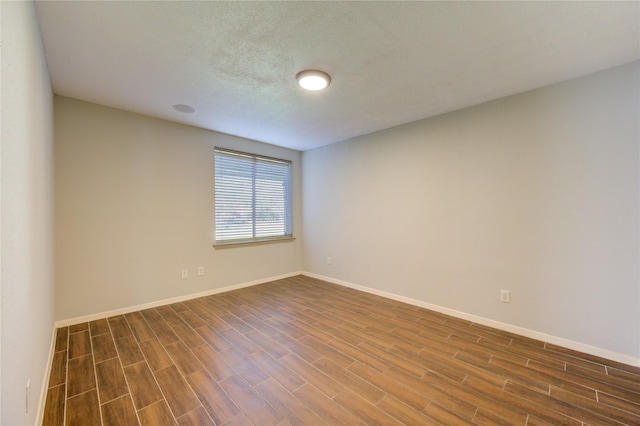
(391, 62)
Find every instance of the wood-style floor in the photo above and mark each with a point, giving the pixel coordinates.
(301, 351)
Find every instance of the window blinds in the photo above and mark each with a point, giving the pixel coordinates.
(252, 197)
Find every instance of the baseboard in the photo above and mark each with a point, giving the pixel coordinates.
(129, 309)
(559, 341)
(45, 382)
(570, 344)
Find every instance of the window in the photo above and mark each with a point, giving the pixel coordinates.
(252, 197)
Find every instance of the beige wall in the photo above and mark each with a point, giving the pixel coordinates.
(27, 210)
(536, 193)
(134, 206)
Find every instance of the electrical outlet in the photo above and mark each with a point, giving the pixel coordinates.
(185, 273)
(27, 396)
(328, 260)
(505, 296)
(200, 271)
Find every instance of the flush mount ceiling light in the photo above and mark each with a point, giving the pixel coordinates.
(184, 108)
(313, 79)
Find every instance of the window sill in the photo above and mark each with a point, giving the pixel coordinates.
(231, 244)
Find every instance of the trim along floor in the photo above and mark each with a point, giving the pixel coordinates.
(301, 351)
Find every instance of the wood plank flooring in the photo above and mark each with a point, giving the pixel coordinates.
(300, 351)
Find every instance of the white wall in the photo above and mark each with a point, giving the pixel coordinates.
(134, 206)
(536, 193)
(27, 210)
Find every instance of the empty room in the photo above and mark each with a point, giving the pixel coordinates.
(308, 213)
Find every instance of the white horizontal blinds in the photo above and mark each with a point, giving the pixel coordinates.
(252, 197)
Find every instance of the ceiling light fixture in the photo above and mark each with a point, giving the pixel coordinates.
(313, 79)
(184, 108)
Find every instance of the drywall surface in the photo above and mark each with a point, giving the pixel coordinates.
(27, 213)
(134, 207)
(536, 193)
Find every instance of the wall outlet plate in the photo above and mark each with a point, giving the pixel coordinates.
(505, 296)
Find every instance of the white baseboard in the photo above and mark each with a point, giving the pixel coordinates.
(45, 382)
(559, 341)
(129, 309)
(570, 344)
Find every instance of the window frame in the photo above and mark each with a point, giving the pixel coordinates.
(287, 235)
